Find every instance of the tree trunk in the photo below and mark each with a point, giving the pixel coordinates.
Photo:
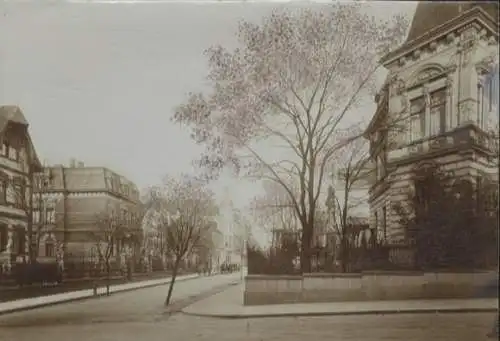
(344, 251)
(172, 280)
(108, 276)
(305, 255)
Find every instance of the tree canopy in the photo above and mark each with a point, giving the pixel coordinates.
(295, 86)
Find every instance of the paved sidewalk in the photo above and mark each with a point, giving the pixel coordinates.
(229, 304)
(38, 302)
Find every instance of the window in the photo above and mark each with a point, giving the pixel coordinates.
(19, 195)
(438, 112)
(384, 222)
(3, 191)
(480, 105)
(10, 194)
(5, 148)
(4, 238)
(13, 153)
(487, 96)
(21, 241)
(36, 216)
(49, 249)
(50, 215)
(417, 118)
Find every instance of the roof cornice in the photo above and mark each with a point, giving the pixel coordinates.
(474, 15)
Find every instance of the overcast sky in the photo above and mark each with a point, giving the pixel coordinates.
(98, 82)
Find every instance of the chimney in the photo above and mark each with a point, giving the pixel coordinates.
(72, 163)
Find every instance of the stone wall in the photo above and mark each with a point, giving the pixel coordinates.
(366, 286)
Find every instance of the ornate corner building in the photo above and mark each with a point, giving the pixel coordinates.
(438, 106)
(18, 162)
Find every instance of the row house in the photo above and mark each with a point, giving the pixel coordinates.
(71, 204)
(441, 94)
(18, 161)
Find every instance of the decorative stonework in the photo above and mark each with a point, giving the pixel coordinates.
(465, 111)
(428, 73)
(425, 75)
(397, 86)
(449, 85)
(451, 38)
(468, 41)
(485, 65)
(416, 54)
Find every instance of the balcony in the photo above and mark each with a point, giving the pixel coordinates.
(461, 138)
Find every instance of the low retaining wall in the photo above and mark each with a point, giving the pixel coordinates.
(366, 286)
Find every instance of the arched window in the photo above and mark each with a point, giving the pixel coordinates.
(487, 94)
(438, 111)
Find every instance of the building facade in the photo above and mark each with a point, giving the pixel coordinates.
(72, 205)
(439, 91)
(18, 161)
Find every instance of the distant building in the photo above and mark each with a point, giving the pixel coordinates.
(68, 202)
(18, 160)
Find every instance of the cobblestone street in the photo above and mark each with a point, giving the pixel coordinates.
(140, 315)
(418, 327)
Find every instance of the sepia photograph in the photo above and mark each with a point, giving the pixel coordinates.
(237, 170)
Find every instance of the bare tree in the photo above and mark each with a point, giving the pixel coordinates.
(274, 210)
(184, 209)
(293, 86)
(353, 170)
(111, 227)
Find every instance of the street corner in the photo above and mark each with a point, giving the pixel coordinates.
(228, 304)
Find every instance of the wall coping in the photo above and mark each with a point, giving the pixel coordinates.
(461, 271)
(273, 277)
(332, 275)
(392, 273)
(361, 274)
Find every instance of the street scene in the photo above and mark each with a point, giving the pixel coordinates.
(237, 170)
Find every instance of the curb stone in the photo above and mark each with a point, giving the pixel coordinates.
(75, 299)
(345, 313)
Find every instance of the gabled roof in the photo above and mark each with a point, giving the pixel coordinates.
(433, 19)
(13, 114)
(429, 15)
